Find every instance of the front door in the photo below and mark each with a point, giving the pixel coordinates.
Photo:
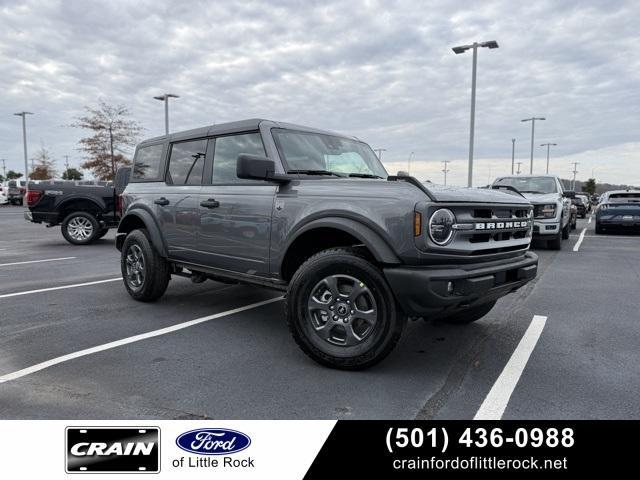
(235, 214)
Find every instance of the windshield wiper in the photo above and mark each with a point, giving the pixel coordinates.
(532, 191)
(364, 175)
(315, 172)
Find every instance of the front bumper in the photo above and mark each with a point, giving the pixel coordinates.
(543, 228)
(436, 291)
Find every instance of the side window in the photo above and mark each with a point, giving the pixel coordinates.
(147, 163)
(186, 162)
(226, 154)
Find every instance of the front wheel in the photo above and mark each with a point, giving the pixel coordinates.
(341, 311)
(469, 315)
(599, 229)
(556, 242)
(80, 228)
(565, 232)
(145, 273)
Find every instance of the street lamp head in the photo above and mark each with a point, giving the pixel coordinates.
(165, 96)
(490, 44)
(461, 49)
(22, 114)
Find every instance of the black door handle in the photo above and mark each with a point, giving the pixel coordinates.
(211, 203)
(161, 201)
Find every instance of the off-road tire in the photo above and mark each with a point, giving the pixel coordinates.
(599, 229)
(384, 334)
(157, 271)
(565, 231)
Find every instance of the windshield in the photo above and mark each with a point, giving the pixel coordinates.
(530, 184)
(306, 151)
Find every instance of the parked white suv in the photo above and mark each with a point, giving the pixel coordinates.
(551, 205)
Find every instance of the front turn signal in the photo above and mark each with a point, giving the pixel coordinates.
(417, 224)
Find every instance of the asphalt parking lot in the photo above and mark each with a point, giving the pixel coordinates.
(238, 360)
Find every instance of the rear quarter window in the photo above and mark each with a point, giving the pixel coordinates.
(147, 163)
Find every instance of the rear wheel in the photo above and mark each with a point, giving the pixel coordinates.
(80, 228)
(341, 312)
(145, 273)
(469, 315)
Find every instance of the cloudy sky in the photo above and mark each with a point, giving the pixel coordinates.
(383, 71)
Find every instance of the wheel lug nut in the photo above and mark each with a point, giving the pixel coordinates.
(352, 312)
(331, 307)
(335, 317)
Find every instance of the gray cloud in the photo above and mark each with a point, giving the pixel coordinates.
(381, 70)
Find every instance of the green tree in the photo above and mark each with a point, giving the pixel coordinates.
(11, 175)
(590, 186)
(112, 135)
(44, 165)
(72, 174)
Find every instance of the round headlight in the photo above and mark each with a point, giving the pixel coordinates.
(441, 226)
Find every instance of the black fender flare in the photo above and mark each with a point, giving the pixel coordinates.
(98, 202)
(380, 249)
(150, 224)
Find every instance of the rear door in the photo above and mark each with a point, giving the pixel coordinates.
(178, 207)
(235, 214)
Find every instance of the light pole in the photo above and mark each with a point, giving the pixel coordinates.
(409, 163)
(379, 152)
(4, 168)
(513, 153)
(458, 50)
(575, 171)
(548, 145)
(445, 170)
(519, 164)
(165, 98)
(24, 142)
(533, 130)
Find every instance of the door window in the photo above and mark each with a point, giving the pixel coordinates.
(226, 154)
(186, 162)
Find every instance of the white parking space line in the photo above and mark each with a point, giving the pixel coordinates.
(576, 247)
(37, 261)
(590, 217)
(125, 341)
(498, 397)
(62, 287)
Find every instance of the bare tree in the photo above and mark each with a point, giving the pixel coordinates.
(113, 133)
(43, 165)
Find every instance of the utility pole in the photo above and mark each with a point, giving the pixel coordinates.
(458, 50)
(379, 152)
(4, 169)
(575, 171)
(445, 170)
(66, 162)
(533, 130)
(409, 163)
(548, 145)
(513, 153)
(26, 163)
(519, 164)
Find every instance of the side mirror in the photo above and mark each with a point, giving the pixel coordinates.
(255, 167)
(569, 194)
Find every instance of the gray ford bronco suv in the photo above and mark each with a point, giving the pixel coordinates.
(315, 214)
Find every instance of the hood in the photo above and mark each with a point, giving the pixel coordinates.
(541, 197)
(470, 195)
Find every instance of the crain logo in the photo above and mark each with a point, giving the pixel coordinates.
(105, 449)
(501, 225)
(213, 441)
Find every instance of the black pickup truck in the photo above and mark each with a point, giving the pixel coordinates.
(85, 212)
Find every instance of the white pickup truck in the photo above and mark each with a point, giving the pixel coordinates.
(551, 205)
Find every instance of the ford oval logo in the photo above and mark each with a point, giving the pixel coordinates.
(213, 441)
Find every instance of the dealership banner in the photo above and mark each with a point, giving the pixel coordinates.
(289, 449)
